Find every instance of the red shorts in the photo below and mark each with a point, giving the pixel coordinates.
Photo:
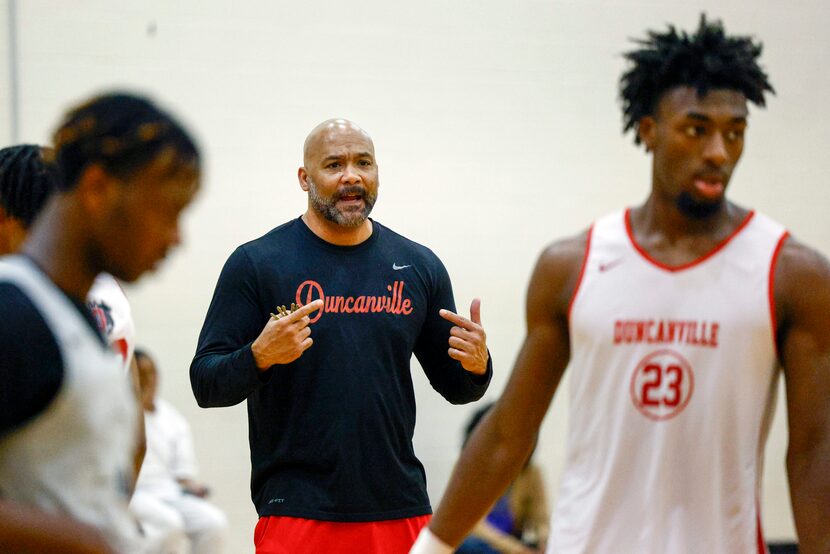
(294, 535)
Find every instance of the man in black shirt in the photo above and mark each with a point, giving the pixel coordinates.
(331, 424)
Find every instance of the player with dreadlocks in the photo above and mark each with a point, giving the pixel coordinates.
(26, 181)
(125, 171)
(673, 317)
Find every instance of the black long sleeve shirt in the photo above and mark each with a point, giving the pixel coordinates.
(331, 433)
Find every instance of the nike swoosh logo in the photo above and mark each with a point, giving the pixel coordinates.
(396, 267)
(610, 265)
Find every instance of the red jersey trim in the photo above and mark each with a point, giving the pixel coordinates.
(771, 293)
(630, 232)
(581, 271)
(121, 348)
(762, 545)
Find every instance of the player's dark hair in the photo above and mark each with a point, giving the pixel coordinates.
(27, 180)
(707, 60)
(121, 132)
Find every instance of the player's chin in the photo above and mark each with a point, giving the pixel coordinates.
(697, 207)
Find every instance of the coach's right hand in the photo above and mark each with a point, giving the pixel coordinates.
(284, 340)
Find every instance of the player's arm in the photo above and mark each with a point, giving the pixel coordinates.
(802, 300)
(502, 442)
(26, 530)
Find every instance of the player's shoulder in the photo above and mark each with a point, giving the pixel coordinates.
(31, 365)
(11, 296)
(801, 283)
(20, 313)
(565, 254)
(557, 272)
(801, 268)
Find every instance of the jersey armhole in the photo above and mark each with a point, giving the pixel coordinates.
(771, 294)
(33, 383)
(581, 272)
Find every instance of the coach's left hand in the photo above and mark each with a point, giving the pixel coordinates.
(468, 341)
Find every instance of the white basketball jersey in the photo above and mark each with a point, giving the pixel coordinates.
(111, 309)
(75, 457)
(672, 382)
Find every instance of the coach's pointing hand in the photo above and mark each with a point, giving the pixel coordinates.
(468, 342)
(284, 340)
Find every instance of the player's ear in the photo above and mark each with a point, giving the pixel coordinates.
(647, 131)
(96, 188)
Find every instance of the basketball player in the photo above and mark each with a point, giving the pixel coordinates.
(27, 180)
(673, 317)
(331, 424)
(68, 421)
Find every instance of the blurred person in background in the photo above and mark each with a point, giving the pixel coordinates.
(518, 522)
(169, 502)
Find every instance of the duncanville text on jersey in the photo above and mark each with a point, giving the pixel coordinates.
(666, 331)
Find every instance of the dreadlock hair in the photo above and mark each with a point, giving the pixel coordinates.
(707, 60)
(121, 132)
(27, 180)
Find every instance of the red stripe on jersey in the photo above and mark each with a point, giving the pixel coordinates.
(294, 535)
(120, 346)
(771, 292)
(629, 230)
(762, 545)
(581, 271)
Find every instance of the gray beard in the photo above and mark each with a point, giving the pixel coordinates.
(327, 207)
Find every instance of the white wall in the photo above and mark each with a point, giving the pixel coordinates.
(6, 78)
(497, 130)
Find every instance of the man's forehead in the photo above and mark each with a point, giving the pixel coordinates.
(683, 101)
